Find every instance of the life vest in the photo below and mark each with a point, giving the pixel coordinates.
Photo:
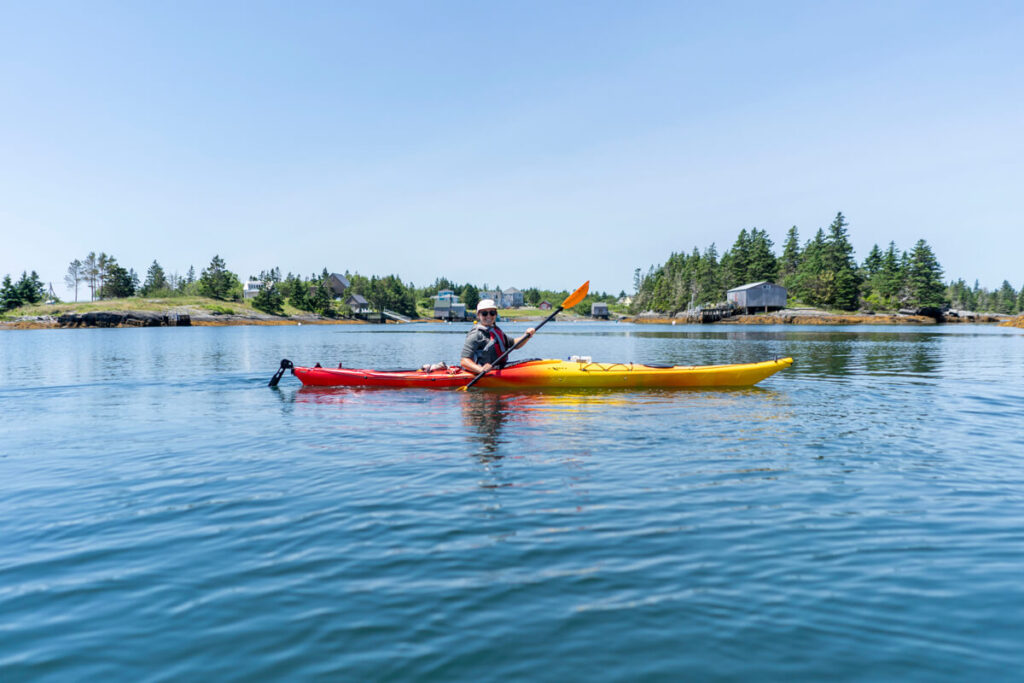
(498, 336)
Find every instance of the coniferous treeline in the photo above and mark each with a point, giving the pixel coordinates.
(821, 272)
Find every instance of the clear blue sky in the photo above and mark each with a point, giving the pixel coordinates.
(518, 143)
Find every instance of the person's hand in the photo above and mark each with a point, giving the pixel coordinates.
(530, 332)
(486, 367)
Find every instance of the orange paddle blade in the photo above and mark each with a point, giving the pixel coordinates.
(576, 296)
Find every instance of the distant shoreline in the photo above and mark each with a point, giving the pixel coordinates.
(200, 318)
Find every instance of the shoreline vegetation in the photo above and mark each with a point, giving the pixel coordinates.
(822, 283)
(206, 312)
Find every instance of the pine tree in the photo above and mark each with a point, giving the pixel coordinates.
(91, 273)
(1020, 300)
(791, 257)
(9, 296)
(30, 289)
(217, 282)
(156, 280)
(270, 298)
(709, 278)
(1006, 299)
(809, 283)
(837, 259)
(736, 262)
(117, 282)
(924, 277)
(890, 278)
(74, 276)
(761, 264)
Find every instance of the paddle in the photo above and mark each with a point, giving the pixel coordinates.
(569, 302)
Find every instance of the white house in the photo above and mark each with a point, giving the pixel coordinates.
(252, 288)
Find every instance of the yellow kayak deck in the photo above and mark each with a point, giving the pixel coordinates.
(588, 374)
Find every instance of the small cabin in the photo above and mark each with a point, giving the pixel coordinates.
(544, 305)
(358, 304)
(758, 296)
(599, 309)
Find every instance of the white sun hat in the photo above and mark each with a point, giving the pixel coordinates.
(486, 304)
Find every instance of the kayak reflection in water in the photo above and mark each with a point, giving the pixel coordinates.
(486, 341)
(485, 413)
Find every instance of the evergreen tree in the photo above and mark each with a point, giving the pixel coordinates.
(1006, 299)
(269, 299)
(9, 295)
(117, 282)
(890, 278)
(791, 257)
(809, 283)
(736, 262)
(924, 277)
(156, 280)
(873, 263)
(471, 297)
(29, 289)
(74, 276)
(217, 282)
(761, 263)
(960, 296)
(318, 298)
(91, 273)
(837, 260)
(1020, 300)
(709, 278)
(103, 263)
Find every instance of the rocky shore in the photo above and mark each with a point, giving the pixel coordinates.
(801, 316)
(189, 318)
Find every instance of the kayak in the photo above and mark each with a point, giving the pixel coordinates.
(542, 374)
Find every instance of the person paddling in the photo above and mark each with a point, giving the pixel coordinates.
(486, 341)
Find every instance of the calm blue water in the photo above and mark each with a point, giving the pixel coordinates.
(166, 516)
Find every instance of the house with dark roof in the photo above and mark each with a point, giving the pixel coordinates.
(511, 298)
(358, 304)
(337, 284)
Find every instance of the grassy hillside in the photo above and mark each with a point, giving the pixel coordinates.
(153, 305)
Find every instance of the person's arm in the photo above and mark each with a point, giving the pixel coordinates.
(469, 351)
(469, 366)
(526, 336)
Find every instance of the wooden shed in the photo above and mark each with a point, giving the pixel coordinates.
(758, 296)
(358, 304)
(599, 309)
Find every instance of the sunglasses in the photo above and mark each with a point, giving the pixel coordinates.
(487, 313)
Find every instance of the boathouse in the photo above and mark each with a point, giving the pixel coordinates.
(757, 296)
(358, 304)
(599, 309)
